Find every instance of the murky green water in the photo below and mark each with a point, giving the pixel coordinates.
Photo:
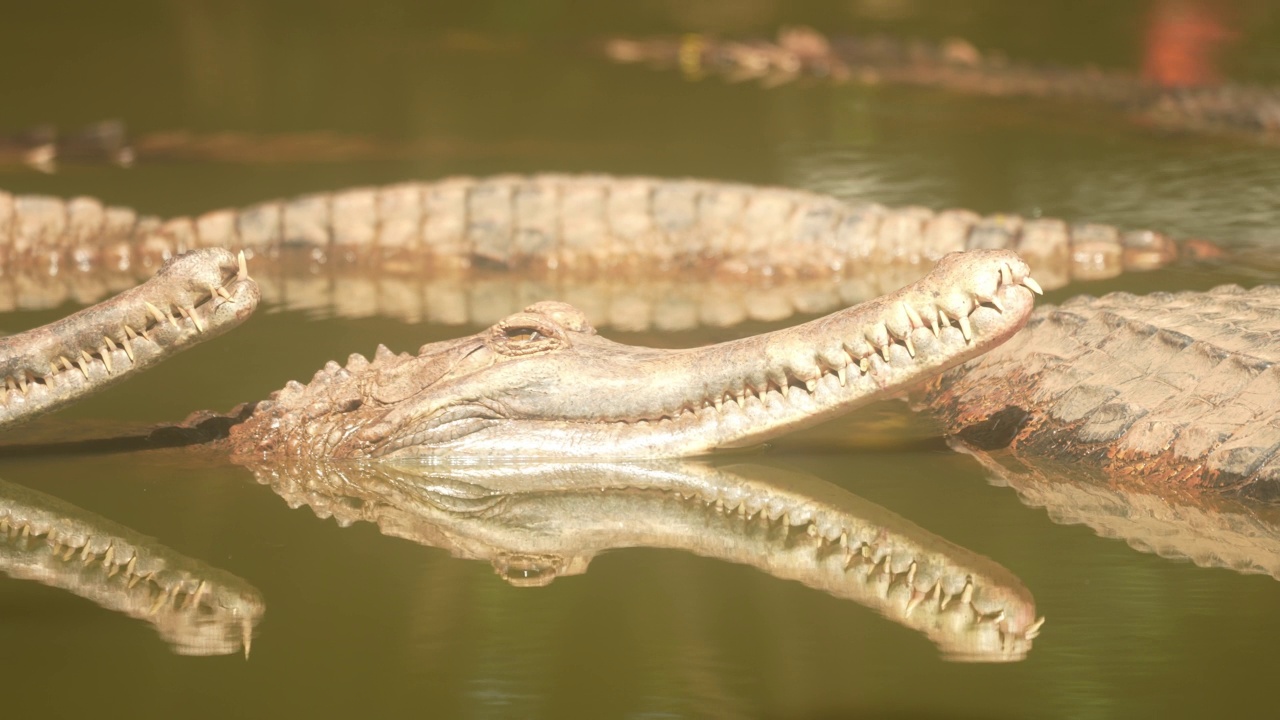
(360, 624)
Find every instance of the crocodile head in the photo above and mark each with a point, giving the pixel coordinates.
(543, 383)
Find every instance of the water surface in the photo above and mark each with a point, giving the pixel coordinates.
(358, 623)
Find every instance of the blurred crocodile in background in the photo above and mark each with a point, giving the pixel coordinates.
(633, 253)
(1251, 111)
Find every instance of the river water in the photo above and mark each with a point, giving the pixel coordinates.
(357, 623)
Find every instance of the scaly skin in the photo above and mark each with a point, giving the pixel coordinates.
(556, 230)
(535, 522)
(542, 384)
(1159, 391)
(955, 65)
(197, 609)
(193, 298)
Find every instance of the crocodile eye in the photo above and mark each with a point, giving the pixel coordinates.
(522, 334)
(525, 334)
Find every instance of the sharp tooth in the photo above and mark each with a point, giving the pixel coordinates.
(966, 595)
(884, 351)
(84, 363)
(219, 292)
(10, 384)
(843, 375)
(155, 311)
(933, 324)
(133, 563)
(191, 315)
(994, 301)
(1035, 286)
(912, 315)
(244, 267)
(22, 383)
(109, 558)
(1006, 275)
(161, 599)
(942, 318)
(865, 365)
(128, 348)
(911, 573)
(785, 388)
(194, 598)
(719, 403)
(811, 385)
(911, 348)
(106, 358)
(1034, 629)
(66, 363)
(742, 399)
(965, 328)
(916, 597)
(246, 637)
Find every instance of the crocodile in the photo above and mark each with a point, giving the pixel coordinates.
(1251, 111)
(535, 522)
(466, 250)
(196, 609)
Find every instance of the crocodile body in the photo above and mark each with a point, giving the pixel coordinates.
(565, 226)
(958, 66)
(1163, 390)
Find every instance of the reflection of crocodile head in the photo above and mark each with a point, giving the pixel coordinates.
(542, 383)
(535, 522)
(197, 609)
